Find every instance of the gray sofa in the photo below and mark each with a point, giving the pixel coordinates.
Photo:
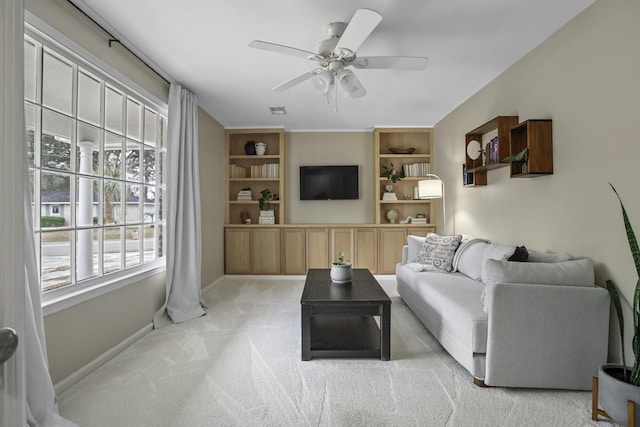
(542, 323)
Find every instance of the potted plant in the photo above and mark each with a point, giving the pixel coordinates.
(266, 196)
(391, 174)
(341, 270)
(619, 384)
(522, 156)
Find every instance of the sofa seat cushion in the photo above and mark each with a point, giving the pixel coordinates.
(454, 304)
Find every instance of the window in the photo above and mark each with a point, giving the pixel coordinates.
(96, 150)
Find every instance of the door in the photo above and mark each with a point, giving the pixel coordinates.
(237, 252)
(12, 374)
(318, 248)
(266, 250)
(293, 251)
(391, 241)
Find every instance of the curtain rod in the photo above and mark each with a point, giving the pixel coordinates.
(113, 39)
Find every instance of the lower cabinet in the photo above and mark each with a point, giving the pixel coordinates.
(284, 250)
(294, 251)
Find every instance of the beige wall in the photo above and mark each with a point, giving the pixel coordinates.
(586, 77)
(329, 148)
(78, 335)
(211, 151)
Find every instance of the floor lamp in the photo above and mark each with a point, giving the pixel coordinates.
(433, 188)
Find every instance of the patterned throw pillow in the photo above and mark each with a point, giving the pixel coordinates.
(437, 252)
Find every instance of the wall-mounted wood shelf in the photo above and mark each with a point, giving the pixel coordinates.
(536, 136)
(479, 167)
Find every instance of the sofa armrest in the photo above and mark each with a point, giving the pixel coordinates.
(405, 254)
(546, 336)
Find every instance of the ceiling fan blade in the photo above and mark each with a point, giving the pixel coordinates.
(287, 50)
(296, 80)
(361, 25)
(392, 62)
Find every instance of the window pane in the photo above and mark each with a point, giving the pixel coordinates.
(30, 61)
(87, 203)
(150, 124)
(112, 197)
(113, 107)
(55, 261)
(133, 247)
(149, 203)
(88, 99)
(133, 204)
(149, 164)
(149, 243)
(133, 119)
(133, 161)
(87, 254)
(54, 199)
(56, 141)
(88, 150)
(32, 191)
(30, 121)
(112, 249)
(113, 156)
(57, 83)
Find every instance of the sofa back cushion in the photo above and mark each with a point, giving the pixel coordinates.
(468, 259)
(494, 251)
(437, 252)
(414, 244)
(535, 256)
(577, 272)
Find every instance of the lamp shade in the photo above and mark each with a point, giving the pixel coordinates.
(430, 189)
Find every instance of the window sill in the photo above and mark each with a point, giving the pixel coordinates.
(62, 299)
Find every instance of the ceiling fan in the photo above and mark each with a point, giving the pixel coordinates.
(338, 52)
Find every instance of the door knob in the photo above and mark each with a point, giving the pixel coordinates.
(8, 344)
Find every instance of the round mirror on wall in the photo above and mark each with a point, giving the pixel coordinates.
(474, 149)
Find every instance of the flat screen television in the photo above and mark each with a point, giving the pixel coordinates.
(329, 182)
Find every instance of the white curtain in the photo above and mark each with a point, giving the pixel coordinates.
(183, 250)
(41, 408)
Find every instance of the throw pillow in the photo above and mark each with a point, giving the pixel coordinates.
(415, 244)
(493, 251)
(519, 255)
(437, 251)
(469, 258)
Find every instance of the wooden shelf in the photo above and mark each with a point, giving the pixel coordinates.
(422, 141)
(479, 167)
(235, 140)
(536, 136)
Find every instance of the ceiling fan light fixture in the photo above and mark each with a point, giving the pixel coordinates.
(322, 82)
(350, 84)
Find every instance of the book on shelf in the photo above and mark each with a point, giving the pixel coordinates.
(415, 220)
(267, 217)
(236, 171)
(389, 196)
(268, 170)
(244, 195)
(416, 169)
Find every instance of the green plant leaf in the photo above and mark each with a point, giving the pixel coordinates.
(615, 300)
(518, 157)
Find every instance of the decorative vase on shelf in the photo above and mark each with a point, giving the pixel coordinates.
(250, 148)
(261, 148)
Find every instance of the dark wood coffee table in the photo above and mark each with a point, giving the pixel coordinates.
(338, 319)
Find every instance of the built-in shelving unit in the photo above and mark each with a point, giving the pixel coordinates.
(254, 172)
(415, 165)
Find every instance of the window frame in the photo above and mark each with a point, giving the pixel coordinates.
(87, 289)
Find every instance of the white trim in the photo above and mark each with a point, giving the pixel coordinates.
(211, 285)
(53, 303)
(100, 360)
(277, 277)
(42, 29)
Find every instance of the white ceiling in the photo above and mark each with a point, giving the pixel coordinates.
(202, 44)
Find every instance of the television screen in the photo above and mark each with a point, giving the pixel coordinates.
(329, 182)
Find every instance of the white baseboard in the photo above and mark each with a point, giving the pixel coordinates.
(100, 360)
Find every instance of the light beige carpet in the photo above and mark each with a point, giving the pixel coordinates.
(240, 366)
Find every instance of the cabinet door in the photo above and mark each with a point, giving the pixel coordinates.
(237, 252)
(318, 248)
(391, 242)
(293, 251)
(341, 241)
(266, 250)
(366, 247)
